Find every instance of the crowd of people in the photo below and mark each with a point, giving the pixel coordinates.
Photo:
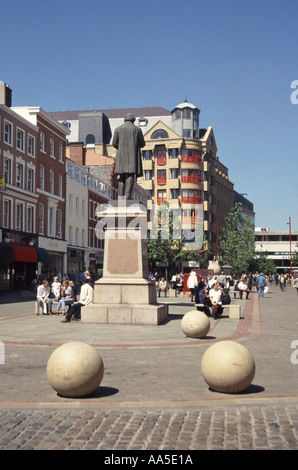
(64, 294)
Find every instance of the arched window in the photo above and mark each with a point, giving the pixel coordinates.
(160, 134)
(90, 139)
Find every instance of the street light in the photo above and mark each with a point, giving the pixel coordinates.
(290, 236)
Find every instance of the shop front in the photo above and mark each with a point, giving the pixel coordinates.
(52, 258)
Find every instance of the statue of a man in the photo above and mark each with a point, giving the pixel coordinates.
(128, 140)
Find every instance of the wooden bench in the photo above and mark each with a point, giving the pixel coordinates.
(234, 310)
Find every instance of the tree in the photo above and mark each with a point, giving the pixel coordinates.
(264, 264)
(237, 240)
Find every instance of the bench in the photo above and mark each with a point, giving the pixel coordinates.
(54, 302)
(234, 310)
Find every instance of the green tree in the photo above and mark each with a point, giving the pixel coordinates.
(264, 264)
(237, 240)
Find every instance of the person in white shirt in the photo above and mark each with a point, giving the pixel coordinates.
(86, 298)
(215, 298)
(192, 283)
(56, 288)
(43, 300)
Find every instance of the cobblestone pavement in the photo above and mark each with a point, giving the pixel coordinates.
(153, 396)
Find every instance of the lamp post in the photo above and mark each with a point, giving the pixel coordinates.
(290, 237)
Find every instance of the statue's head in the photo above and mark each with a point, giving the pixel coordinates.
(129, 117)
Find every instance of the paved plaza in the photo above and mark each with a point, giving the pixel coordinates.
(153, 395)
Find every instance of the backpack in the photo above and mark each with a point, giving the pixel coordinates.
(225, 297)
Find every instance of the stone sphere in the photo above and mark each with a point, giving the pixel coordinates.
(228, 367)
(75, 369)
(195, 324)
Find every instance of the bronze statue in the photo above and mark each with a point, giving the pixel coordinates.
(128, 140)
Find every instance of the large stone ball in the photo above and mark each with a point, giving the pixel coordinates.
(228, 367)
(75, 369)
(195, 324)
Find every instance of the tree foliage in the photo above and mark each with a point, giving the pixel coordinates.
(237, 241)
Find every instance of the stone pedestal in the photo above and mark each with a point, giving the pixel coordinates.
(124, 295)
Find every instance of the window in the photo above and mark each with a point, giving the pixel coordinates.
(31, 146)
(60, 153)
(161, 177)
(19, 216)
(77, 206)
(186, 133)
(83, 208)
(161, 157)
(6, 213)
(173, 153)
(19, 175)
(147, 155)
(52, 148)
(52, 182)
(77, 237)
(174, 173)
(70, 203)
(160, 134)
(7, 133)
(29, 221)
(42, 142)
(20, 140)
(7, 170)
(51, 226)
(59, 224)
(42, 177)
(83, 237)
(174, 193)
(60, 182)
(186, 113)
(70, 235)
(148, 174)
(30, 180)
(41, 219)
(161, 196)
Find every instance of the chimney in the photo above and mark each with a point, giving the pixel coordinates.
(5, 94)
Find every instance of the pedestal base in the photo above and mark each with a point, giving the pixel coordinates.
(125, 314)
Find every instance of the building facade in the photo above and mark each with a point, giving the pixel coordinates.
(280, 246)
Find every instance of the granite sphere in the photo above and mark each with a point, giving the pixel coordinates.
(75, 369)
(228, 367)
(195, 324)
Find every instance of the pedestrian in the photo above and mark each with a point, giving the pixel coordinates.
(162, 286)
(56, 288)
(296, 284)
(43, 298)
(261, 283)
(192, 283)
(86, 298)
(67, 297)
(282, 282)
(243, 287)
(215, 299)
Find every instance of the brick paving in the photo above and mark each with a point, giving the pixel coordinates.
(153, 397)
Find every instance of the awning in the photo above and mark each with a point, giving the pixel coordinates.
(6, 253)
(26, 254)
(42, 255)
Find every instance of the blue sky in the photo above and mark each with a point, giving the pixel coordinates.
(234, 60)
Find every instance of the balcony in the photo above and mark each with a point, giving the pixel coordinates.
(191, 159)
(161, 160)
(162, 180)
(161, 200)
(191, 179)
(191, 200)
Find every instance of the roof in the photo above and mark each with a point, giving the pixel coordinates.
(111, 113)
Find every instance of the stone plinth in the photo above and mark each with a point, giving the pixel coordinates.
(124, 295)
